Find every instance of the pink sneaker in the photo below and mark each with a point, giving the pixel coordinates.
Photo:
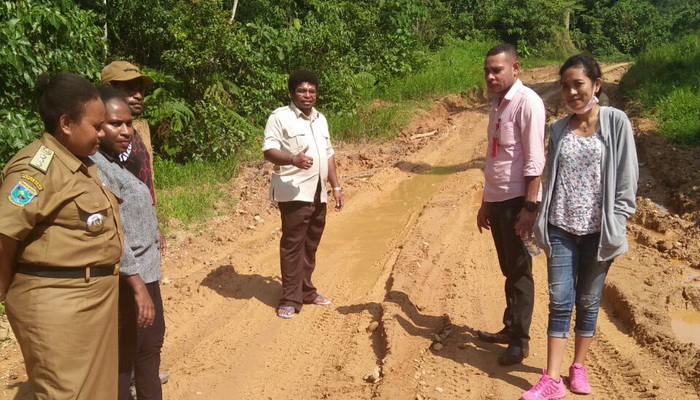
(578, 379)
(545, 389)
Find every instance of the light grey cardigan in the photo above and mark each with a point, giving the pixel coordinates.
(141, 253)
(620, 174)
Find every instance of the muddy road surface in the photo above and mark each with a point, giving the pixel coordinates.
(407, 268)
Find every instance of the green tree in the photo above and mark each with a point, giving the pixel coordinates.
(40, 36)
(632, 25)
(537, 26)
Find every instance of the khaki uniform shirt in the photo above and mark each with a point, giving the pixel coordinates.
(55, 206)
(290, 131)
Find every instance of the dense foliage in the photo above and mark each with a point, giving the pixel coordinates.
(219, 75)
(38, 36)
(665, 83)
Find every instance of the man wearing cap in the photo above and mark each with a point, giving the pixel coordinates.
(137, 159)
(128, 79)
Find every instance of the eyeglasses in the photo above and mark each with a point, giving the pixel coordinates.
(303, 91)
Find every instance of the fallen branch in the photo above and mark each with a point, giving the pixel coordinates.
(422, 135)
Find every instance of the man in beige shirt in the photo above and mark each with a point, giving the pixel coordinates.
(297, 141)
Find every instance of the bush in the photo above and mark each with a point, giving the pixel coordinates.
(613, 29)
(664, 83)
(40, 36)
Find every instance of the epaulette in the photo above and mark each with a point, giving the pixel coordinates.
(42, 159)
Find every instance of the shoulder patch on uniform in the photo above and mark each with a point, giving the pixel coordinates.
(34, 181)
(22, 194)
(42, 159)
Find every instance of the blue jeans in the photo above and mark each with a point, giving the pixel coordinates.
(575, 277)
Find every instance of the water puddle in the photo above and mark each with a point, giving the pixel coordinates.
(689, 275)
(367, 238)
(661, 207)
(686, 326)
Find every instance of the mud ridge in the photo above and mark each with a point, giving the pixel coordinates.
(684, 358)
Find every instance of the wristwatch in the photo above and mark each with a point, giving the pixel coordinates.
(530, 206)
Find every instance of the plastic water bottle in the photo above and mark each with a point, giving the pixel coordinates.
(529, 243)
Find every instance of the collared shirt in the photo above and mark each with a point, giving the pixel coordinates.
(61, 216)
(290, 131)
(518, 124)
(138, 217)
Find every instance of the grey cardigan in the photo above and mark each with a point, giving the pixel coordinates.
(141, 253)
(620, 174)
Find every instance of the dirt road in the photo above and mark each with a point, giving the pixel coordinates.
(406, 267)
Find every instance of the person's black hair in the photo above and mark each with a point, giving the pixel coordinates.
(63, 93)
(503, 48)
(586, 63)
(109, 93)
(300, 76)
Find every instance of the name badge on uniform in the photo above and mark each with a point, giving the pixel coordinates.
(95, 222)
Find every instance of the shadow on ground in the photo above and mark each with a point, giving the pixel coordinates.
(227, 282)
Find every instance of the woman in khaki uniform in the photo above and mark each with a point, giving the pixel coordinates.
(60, 242)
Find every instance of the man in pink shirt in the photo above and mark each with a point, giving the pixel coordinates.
(513, 165)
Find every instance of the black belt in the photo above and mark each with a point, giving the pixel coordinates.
(64, 272)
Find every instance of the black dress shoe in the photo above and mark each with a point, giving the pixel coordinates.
(498, 337)
(513, 355)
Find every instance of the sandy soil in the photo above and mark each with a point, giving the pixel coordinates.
(407, 268)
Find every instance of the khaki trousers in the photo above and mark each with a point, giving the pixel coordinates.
(67, 330)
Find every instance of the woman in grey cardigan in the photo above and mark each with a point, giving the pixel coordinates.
(141, 320)
(589, 193)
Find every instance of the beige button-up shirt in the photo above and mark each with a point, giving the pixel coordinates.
(290, 131)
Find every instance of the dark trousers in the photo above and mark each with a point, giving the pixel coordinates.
(302, 227)
(516, 266)
(139, 348)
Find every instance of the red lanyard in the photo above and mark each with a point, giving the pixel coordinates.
(494, 143)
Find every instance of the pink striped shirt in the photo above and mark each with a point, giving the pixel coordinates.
(517, 125)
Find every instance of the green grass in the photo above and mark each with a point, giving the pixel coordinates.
(678, 114)
(194, 191)
(456, 68)
(380, 120)
(664, 83)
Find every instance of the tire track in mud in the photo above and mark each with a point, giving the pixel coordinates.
(433, 271)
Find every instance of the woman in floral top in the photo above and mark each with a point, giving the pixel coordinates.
(589, 193)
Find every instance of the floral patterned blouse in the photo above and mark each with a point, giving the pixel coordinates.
(577, 201)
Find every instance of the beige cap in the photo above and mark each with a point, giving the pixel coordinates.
(123, 71)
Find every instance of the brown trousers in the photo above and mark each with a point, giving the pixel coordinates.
(67, 331)
(302, 227)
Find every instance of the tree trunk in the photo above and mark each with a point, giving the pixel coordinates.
(106, 45)
(233, 11)
(567, 22)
